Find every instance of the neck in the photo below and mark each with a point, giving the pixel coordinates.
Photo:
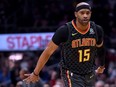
(82, 27)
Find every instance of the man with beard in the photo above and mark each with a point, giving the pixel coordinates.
(80, 40)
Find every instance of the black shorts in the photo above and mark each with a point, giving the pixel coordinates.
(75, 80)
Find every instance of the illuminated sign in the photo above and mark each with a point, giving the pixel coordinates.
(21, 42)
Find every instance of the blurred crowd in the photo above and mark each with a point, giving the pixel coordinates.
(26, 16)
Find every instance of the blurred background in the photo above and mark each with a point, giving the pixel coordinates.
(26, 26)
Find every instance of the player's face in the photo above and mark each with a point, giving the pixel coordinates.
(83, 16)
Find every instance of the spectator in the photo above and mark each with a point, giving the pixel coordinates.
(99, 84)
(21, 76)
(46, 85)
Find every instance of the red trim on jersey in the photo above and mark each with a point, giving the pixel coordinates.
(74, 25)
(68, 77)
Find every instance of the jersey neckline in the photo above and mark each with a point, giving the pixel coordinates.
(75, 27)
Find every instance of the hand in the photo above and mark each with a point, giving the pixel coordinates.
(100, 70)
(31, 78)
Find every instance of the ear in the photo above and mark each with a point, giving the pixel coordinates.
(75, 13)
(91, 12)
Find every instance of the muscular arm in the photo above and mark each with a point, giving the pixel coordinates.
(61, 35)
(45, 56)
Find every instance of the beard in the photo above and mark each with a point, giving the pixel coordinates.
(83, 22)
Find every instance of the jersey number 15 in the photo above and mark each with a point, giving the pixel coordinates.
(84, 55)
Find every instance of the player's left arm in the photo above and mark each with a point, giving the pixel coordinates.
(100, 49)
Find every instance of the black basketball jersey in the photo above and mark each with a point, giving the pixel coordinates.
(79, 51)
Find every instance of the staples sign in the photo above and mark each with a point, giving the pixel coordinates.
(20, 42)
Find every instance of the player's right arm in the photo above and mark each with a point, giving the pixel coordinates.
(45, 56)
(60, 36)
(33, 77)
